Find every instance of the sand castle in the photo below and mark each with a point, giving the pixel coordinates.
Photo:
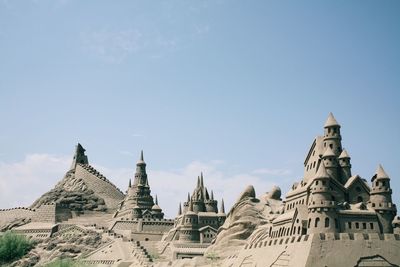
(329, 218)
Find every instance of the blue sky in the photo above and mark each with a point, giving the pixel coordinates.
(237, 89)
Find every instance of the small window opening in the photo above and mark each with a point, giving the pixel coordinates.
(316, 222)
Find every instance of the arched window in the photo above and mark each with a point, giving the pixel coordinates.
(298, 230)
(326, 222)
(309, 223)
(316, 222)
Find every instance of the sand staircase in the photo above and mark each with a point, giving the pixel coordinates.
(282, 260)
(141, 253)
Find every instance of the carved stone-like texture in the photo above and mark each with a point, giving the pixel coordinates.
(246, 216)
(61, 246)
(72, 192)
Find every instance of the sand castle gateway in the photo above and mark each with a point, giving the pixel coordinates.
(329, 218)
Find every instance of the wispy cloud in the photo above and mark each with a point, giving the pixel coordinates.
(113, 46)
(22, 182)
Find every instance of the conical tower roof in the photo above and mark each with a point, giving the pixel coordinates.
(380, 173)
(328, 153)
(344, 155)
(331, 121)
(321, 173)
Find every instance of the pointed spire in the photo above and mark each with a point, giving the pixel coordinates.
(141, 159)
(130, 183)
(201, 180)
(156, 200)
(206, 195)
(222, 209)
(331, 121)
(344, 155)
(322, 173)
(212, 195)
(180, 209)
(380, 173)
(188, 198)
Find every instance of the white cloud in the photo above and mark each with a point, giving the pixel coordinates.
(172, 186)
(23, 182)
